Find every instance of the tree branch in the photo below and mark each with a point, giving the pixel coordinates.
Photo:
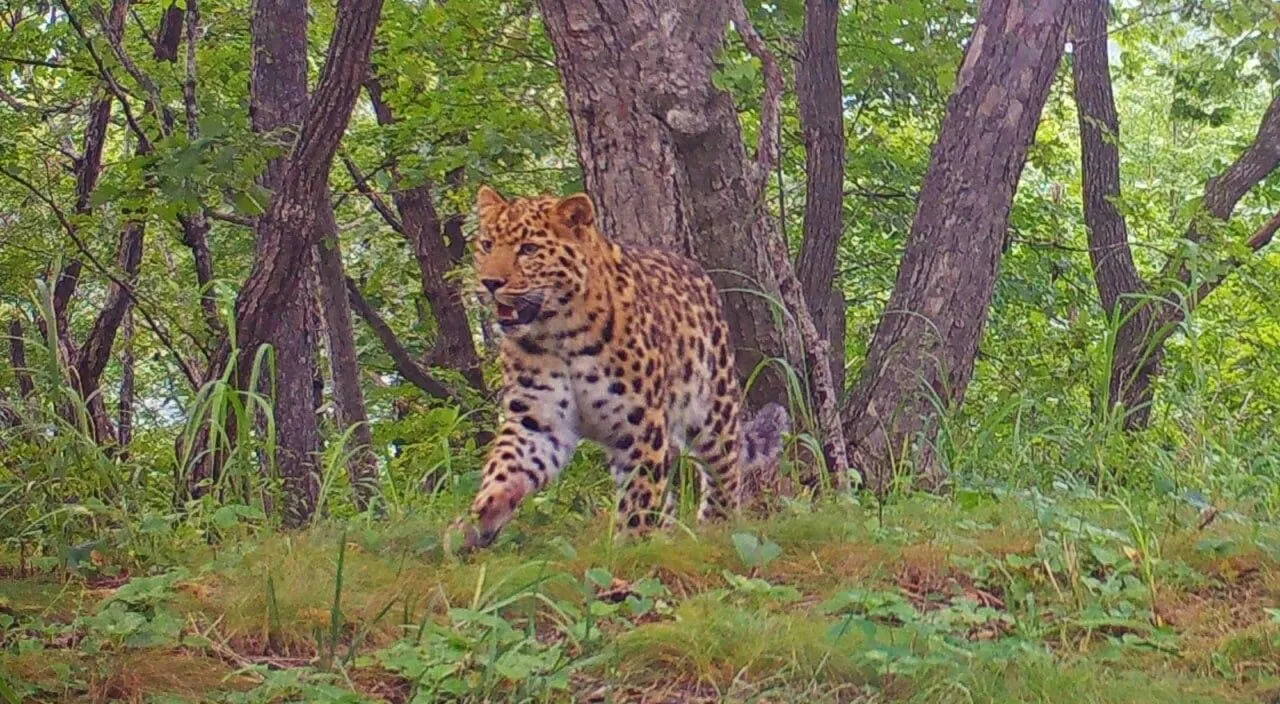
(1223, 192)
(380, 205)
(1261, 237)
(404, 361)
(144, 141)
(817, 350)
(771, 104)
(115, 39)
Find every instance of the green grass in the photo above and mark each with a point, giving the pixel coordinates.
(980, 597)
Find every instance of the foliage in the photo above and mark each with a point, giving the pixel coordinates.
(1068, 561)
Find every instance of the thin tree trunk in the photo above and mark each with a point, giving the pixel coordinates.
(819, 91)
(1120, 286)
(124, 407)
(169, 34)
(423, 229)
(1147, 318)
(921, 358)
(18, 359)
(90, 360)
(662, 153)
(202, 465)
(88, 168)
(348, 396)
(817, 354)
(286, 234)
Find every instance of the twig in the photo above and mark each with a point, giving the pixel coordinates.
(771, 104)
(144, 142)
(817, 354)
(115, 37)
(380, 205)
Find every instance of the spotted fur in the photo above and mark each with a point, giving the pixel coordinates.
(624, 346)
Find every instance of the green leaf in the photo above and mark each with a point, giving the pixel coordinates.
(600, 577)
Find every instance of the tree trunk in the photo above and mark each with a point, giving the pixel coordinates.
(286, 239)
(124, 407)
(921, 357)
(278, 104)
(819, 91)
(348, 396)
(1120, 286)
(88, 168)
(662, 153)
(278, 81)
(90, 360)
(1145, 320)
(422, 227)
(18, 359)
(833, 328)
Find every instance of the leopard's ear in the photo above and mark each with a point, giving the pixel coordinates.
(576, 211)
(488, 204)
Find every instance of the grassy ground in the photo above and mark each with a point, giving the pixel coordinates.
(977, 597)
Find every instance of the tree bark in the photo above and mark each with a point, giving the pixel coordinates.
(169, 34)
(922, 354)
(88, 168)
(124, 406)
(820, 93)
(422, 228)
(817, 353)
(18, 359)
(90, 360)
(348, 396)
(286, 231)
(278, 104)
(662, 153)
(1120, 286)
(1146, 318)
(278, 79)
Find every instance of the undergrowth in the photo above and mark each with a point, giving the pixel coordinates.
(1066, 561)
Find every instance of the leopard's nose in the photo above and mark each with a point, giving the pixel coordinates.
(492, 284)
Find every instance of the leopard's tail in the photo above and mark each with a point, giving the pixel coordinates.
(762, 439)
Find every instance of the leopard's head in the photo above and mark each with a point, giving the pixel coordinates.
(532, 255)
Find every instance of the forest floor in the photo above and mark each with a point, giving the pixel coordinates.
(983, 596)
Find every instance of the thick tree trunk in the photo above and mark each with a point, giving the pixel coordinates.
(278, 105)
(662, 153)
(1145, 320)
(286, 235)
(348, 396)
(278, 81)
(924, 347)
(819, 91)
(422, 227)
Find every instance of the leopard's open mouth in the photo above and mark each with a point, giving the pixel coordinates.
(521, 312)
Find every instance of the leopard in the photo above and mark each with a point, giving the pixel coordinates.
(621, 345)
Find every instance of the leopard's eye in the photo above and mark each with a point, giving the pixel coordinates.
(528, 248)
(486, 245)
